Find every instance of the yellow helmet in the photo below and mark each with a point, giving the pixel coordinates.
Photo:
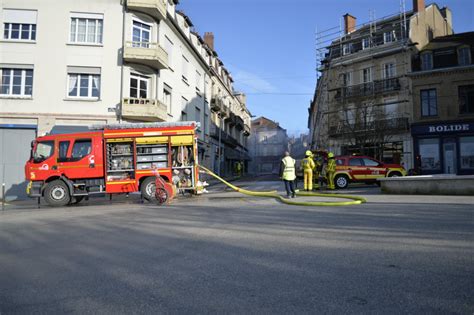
(330, 155)
(308, 153)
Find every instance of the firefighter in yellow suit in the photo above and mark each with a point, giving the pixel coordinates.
(330, 170)
(308, 167)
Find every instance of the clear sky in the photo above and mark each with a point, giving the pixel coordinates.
(269, 46)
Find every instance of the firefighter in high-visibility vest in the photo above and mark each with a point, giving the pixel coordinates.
(308, 167)
(330, 170)
(288, 174)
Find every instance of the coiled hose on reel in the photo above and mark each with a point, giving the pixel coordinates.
(355, 200)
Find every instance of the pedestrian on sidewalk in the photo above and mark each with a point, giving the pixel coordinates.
(288, 174)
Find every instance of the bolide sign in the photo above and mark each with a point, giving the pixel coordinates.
(447, 128)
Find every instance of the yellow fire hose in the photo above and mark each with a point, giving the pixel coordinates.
(274, 194)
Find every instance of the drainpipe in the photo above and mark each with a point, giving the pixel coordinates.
(121, 67)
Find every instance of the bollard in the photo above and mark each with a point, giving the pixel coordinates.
(3, 196)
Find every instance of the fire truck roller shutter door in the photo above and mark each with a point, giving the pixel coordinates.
(152, 140)
(182, 140)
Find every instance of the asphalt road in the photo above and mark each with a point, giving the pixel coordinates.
(225, 253)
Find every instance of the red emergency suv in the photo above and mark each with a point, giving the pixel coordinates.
(363, 169)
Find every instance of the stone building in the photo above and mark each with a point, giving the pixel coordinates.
(362, 102)
(66, 65)
(443, 105)
(267, 145)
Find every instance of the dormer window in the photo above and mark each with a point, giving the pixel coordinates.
(389, 37)
(346, 49)
(366, 43)
(464, 56)
(427, 60)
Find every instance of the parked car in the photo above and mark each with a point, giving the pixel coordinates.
(354, 168)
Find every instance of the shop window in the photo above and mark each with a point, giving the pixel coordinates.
(466, 145)
(466, 99)
(429, 106)
(429, 153)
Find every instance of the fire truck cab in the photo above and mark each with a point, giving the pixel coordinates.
(118, 158)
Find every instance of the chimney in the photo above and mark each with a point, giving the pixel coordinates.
(418, 6)
(209, 39)
(349, 23)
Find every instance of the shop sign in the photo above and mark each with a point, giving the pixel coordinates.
(460, 127)
(448, 128)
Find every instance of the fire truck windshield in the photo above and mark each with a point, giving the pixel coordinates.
(42, 151)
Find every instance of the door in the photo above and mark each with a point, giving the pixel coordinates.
(449, 154)
(15, 146)
(80, 157)
(357, 169)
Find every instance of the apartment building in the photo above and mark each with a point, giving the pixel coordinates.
(67, 65)
(362, 102)
(443, 105)
(267, 144)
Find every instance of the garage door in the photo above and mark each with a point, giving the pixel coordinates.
(15, 147)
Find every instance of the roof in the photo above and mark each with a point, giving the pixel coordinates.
(450, 40)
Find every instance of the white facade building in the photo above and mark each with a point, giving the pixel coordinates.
(66, 64)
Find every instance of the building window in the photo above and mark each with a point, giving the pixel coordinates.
(388, 70)
(466, 99)
(167, 98)
(464, 56)
(346, 49)
(198, 81)
(83, 85)
(169, 50)
(184, 105)
(429, 106)
(16, 82)
(389, 37)
(86, 28)
(198, 116)
(19, 31)
(429, 153)
(141, 34)
(366, 75)
(366, 43)
(184, 116)
(19, 24)
(427, 61)
(347, 79)
(185, 66)
(139, 86)
(466, 145)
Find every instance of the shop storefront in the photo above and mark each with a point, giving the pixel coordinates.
(444, 148)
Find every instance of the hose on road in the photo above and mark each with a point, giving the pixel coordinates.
(355, 200)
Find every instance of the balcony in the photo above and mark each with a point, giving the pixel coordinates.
(369, 89)
(154, 8)
(148, 54)
(143, 109)
(247, 130)
(232, 119)
(384, 126)
(239, 122)
(216, 105)
(217, 132)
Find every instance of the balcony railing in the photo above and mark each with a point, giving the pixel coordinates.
(143, 109)
(149, 54)
(239, 122)
(389, 125)
(368, 89)
(247, 130)
(224, 136)
(154, 8)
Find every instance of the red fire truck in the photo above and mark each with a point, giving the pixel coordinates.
(111, 159)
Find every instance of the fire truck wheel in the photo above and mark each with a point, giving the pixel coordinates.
(148, 188)
(56, 193)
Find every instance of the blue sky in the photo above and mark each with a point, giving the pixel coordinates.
(270, 45)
